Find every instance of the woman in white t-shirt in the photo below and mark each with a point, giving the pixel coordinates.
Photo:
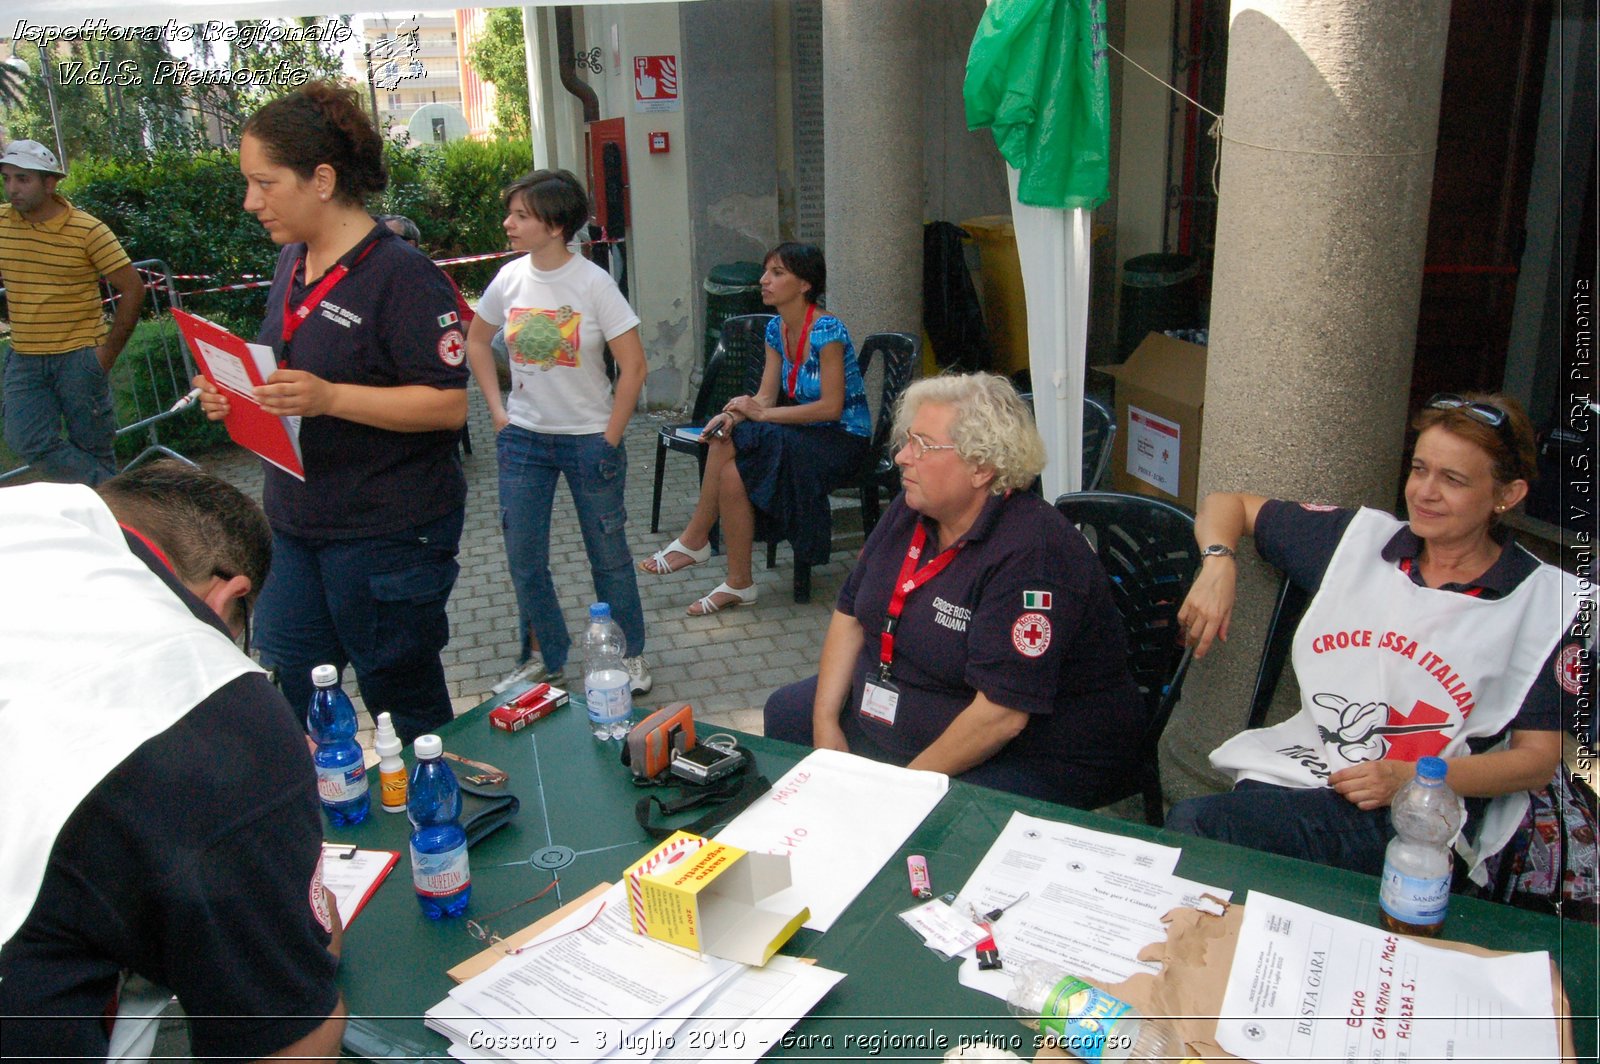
(559, 312)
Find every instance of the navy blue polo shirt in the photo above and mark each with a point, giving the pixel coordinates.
(1023, 614)
(1301, 539)
(391, 321)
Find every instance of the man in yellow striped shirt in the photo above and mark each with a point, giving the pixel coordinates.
(52, 257)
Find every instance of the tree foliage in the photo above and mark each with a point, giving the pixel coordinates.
(500, 59)
(120, 96)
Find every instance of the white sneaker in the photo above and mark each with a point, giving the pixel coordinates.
(639, 673)
(532, 670)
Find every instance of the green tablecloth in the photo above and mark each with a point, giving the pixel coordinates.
(575, 793)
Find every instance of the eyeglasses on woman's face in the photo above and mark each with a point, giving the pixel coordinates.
(919, 446)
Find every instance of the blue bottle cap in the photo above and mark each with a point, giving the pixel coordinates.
(600, 611)
(1431, 768)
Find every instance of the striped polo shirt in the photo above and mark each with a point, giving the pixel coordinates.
(51, 271)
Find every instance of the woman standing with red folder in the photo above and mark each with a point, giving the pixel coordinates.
(371, 357)
(783, 449)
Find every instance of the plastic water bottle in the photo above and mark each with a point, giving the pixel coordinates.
(439, 871)
(1417, 865)
(606, 686)
(391, 770)
(1084, 1020)
(341, 768)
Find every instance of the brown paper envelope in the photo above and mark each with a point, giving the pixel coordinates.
(482, 962)
(1196, 959)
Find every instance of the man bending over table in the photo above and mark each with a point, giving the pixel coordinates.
(158, 811)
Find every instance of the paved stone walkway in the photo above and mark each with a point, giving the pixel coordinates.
(725, 664)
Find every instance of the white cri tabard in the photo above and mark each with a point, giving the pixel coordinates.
(1389, 669)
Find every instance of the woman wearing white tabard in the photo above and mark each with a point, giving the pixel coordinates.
(1433, 636)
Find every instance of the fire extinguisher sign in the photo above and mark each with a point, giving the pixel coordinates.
(655, 83)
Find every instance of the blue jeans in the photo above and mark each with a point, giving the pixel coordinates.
(596, 474)
(1314, 824)
(41, 392)
(376, 603)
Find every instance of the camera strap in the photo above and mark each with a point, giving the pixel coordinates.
(729, 797)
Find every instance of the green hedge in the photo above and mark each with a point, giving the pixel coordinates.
(188, 211)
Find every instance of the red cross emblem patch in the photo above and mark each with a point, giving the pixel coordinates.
(453, 348)
(1570, 671)
(1031, 634)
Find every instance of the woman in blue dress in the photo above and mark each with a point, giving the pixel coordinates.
(780, 451)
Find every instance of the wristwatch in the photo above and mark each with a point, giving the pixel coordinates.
(1216, 550)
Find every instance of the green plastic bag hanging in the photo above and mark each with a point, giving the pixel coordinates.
(1036, 76)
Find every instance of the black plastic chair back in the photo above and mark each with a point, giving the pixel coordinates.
(1291, 603)
(1148, 550)
(744, 338)
(899, 356)
(1099, 432)
(721, 381)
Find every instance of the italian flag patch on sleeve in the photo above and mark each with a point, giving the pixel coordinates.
(1036, 600)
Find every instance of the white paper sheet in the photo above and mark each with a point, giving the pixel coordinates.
(1094, 900)
(580, 994)
(751, 1013)
(1305, 985)
(816, 815)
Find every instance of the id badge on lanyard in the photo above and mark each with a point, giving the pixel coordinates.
(880, 696)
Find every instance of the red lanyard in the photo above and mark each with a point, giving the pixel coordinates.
(150, 544)
(292, 319)
(907, 582)
(799, 349)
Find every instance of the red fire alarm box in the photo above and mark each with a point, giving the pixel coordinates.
(658, 143)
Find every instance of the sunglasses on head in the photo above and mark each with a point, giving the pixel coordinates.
(1483, 413)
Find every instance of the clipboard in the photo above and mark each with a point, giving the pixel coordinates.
(236, 367)
(353, 875)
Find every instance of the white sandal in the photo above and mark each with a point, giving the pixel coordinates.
(706, 606)
(659, 558)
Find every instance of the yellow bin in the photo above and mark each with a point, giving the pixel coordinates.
(1005, 307)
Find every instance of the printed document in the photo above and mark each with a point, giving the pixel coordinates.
(1309, 986)
(814, 815)
(1094, 900)
(586, 989)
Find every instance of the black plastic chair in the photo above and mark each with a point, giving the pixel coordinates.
(726, 375)
(877, 471)
(1148, 550)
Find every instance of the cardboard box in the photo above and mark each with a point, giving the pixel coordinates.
(707, 896)
(1161, 393)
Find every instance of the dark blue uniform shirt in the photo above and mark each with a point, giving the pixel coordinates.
(391, 321)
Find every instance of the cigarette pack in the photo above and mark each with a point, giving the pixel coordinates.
(517, 713)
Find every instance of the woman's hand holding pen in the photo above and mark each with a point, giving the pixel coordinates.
(212, 401)
(746, 408)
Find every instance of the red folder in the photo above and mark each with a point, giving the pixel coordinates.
(227, 362)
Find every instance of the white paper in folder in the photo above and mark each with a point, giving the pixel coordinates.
(815, 815)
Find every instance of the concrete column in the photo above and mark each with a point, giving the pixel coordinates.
(872, 58)
(1332, 116)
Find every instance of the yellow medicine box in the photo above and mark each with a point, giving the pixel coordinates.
(708, 896)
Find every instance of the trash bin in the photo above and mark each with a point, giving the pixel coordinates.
(1159, 292)
(732, 288)
(1005, 304)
